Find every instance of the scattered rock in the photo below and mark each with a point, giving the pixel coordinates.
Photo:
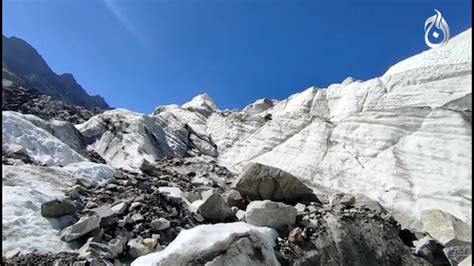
(364, 202)
(76, 191)
(34, 258)
(103, 211)
(295, 235)
(214, 208)
(91, 205)
(431, 250)
(149, 243)
(57, 208)
(99, 250)
(83, 226)
(457, 254)
(233, 198)
(120, 207)
(260, 182)
(12, 253)
(407, 237)
(345, 199)
(136, 248)
(268, 213)
(116, 246)
(446, 228)
(137, 218)
(160, 224)
(300, 208)
(240, 214)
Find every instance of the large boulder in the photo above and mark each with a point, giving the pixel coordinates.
(57, 208)
(446, 228)
(272, 214)
(260, 182)
(214, 208)
(218, 244)
(83, 226)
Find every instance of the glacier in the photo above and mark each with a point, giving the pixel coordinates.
(403, 139)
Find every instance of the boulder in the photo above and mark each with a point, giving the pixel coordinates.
(300, 208)
(217, 244)
(137, 218)
(75, 191)
(260, 182)
(92, 250)
(240, 214)
(295, 235)
(138, 247)
(106, 215)
(119, 207)
(234, 199)
(457, 254)
(272, 214)
(214, 208)
(85, 225)
(446, 228)
(57, 208)
(160, 224)
(116, 246)
(431, 250)
(149, 243)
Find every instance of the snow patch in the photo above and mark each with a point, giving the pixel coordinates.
(203, 237)
(24, 189)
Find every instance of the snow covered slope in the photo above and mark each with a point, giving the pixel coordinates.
(403, 139)
(125, 138)
(25, 188)
(34, 135)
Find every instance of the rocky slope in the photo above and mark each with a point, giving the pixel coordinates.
(22, 64)
(21, 99)
(193, 184)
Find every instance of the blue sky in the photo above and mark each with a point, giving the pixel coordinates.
(143, 53)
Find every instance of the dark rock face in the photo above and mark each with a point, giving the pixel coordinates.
(347, 236)
(22, 60)
(431, 250)
(27, 101)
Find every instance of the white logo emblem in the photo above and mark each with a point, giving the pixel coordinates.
(441, 25)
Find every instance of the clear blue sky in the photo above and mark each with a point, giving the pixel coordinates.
(141, 54)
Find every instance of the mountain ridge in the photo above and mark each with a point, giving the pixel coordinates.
(29, 67)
